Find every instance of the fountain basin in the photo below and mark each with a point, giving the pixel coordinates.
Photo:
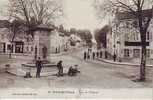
(34, 65)
(45, 64)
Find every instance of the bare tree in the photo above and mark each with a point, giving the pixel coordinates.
(15, 29)
(35, 12)
(135, 8)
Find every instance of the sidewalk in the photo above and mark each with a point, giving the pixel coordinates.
(121, 63)
(67, 52)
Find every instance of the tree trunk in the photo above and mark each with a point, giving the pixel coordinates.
(143, 55)
(143, 32)
(10, 53)
(143, 63)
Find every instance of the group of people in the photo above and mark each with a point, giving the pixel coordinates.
(92, 54)
(39, 64)
(71, 72)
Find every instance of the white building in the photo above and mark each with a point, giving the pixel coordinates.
(124, 41)
(59, 42)
(76, 39)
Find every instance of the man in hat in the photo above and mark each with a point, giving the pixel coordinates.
(39, 67)
(60, 68)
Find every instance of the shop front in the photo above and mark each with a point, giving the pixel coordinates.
(19, 46)
(2, 47)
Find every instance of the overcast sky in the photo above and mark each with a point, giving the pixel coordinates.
(79, 14)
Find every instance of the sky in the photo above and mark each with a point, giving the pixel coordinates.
(79, 14)
(3, 4)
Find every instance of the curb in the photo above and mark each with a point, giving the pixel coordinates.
(66, 53)
(119, 63)
(33, 74)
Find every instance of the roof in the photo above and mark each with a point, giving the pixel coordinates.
(43, 27)
(4, 24)
(129, 15)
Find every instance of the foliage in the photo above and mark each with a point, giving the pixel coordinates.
(85, 35)
(101, 35)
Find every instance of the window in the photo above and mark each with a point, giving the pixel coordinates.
(126, 53)
(147, 36)
(151, 51)
(148, 53)
(136, 53)
(2, 36)
(150, 35)
(126, 37)
(134, 36)
(137, 36)
(27, 48)
(32, 49)
(8, 47)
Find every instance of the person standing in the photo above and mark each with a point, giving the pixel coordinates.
(39, 67)
(85, 55)
(97, 54)
(101, 54)
(93, 55)
(60, 68)
(56, 50)
(88, 55)
(114, 57)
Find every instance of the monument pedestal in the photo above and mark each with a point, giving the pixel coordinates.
(42, 41)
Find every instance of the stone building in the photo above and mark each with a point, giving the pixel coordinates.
(124, 41)
(50, 38)
(59, 41)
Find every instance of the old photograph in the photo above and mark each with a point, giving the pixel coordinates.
(76, 49)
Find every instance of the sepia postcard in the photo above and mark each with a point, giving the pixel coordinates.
(76, 49)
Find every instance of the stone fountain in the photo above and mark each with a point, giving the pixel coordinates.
(42, 45)
(42, 49)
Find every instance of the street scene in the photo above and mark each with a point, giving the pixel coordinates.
(94, 74)
(91, 44)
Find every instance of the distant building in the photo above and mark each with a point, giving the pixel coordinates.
(59, 42)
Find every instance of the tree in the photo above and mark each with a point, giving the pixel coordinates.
(85, 35)
(35, 12)
(101, 36)
(97, 38)
(136, 9)
(15, 29)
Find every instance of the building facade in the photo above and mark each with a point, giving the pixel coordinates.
(6, 46)
(125, 41)
(59, 42)
(53, 39)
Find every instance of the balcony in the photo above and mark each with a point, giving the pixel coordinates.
(127, 43)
